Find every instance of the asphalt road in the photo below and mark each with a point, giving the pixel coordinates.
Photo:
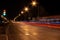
(23, 31)
(3, 31)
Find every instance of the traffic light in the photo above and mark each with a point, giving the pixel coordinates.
(4, 13)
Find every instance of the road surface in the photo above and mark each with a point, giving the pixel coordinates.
(23, 31)
(3, 30)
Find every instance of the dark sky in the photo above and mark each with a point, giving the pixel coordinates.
(13, 6)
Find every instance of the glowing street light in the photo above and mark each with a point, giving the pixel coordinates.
(26, 9)
(34, 3)
(22, 12)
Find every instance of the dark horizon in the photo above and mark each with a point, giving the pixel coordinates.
(13, 7)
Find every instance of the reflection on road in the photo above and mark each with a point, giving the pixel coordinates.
(22, 31)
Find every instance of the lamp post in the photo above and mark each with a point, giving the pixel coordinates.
(26, 9)
(34, 4)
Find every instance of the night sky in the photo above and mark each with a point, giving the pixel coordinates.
(14, 6)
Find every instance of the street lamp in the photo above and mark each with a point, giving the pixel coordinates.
(34, 3)
(22, 12)
(26, 9)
